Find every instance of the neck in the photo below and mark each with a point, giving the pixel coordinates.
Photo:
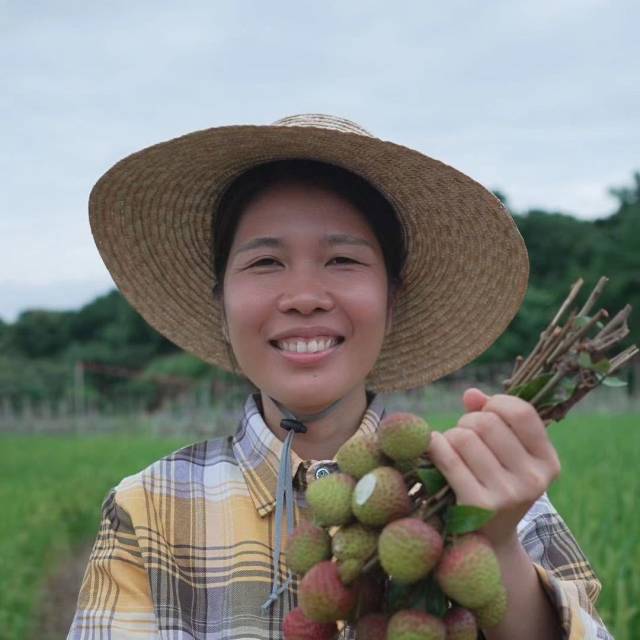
(324, 436)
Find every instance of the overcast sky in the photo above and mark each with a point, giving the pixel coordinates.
(538, 99)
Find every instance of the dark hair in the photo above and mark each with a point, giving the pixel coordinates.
(356, 190)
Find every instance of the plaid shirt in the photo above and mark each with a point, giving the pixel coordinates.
(184, 551)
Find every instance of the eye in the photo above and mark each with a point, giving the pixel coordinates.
(343, 260)
(264, 262)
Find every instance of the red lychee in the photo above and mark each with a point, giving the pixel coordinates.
(307, 545)
(297, 626)
(380, 496)
(372, 626)
(460, 624)
(359, 455)
(411, 624)
(468, 571)
(322, 595)
(404, 436)
(408, 549)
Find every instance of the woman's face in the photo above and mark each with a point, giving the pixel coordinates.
(305, 296)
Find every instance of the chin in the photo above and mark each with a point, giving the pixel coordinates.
(309, 397)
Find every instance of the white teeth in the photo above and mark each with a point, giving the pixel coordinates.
(311, 346)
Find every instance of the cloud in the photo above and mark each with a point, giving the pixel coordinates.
(537, 99)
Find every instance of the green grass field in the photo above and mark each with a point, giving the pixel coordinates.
(51, 490)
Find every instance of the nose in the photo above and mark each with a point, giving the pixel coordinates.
(305, 294)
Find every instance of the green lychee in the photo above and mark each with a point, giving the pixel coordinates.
(359, 455)
(354, 541)
(404, 466)
(469, 572)
(322, 595)
(349, 569)
(411, 624)
(380, 496)
(493, 612)
(307, 545)
(297, 626)
(408, 549)
(372, 626)
(460, 624)
(404, 436)
(330, 499)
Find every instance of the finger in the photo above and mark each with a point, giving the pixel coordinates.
(498, 437)
(453, 468)
(524, 422)
(473, 399)
(480, 460)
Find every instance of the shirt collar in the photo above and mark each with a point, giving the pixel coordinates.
(258, 450)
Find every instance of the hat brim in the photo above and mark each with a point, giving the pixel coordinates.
(464, 280)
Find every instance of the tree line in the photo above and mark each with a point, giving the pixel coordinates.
(39, 350)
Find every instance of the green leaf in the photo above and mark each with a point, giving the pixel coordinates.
(398, 595)
(612, 381)
(461, 518)
(529, 390)
(602, 366)
(427, 596)
(432, 480)
(585, 361)
(565, 389)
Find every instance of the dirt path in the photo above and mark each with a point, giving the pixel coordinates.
(60, 594)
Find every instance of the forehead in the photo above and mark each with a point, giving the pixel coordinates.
(297, 209)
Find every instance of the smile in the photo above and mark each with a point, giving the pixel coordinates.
(306, 345)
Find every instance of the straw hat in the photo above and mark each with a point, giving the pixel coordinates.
(464, 279)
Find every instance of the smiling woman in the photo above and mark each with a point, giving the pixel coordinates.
(305, 268)
(326, 266)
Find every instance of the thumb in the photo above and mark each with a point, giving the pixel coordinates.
(474, 399)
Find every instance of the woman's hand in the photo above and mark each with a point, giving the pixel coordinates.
(498, 457)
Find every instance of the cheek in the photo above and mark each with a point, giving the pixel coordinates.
(245, 309)
(367, 305)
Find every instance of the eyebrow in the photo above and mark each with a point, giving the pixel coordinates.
(331, 239)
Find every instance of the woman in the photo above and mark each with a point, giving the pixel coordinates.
(325, 265)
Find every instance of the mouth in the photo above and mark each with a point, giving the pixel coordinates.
(319, 344)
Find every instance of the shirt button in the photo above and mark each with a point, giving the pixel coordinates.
(322, 472)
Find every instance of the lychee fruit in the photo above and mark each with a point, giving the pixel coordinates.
(330, 499)
(359, 455)
(349, 569)
(380, 496)
(469, 572)
(460, 624)
(408, 549)
(297, 626)
(404, 436)
(405, 466)
(322, 595)
(412, 624)
(307, 545)
(354, 541)
(493, 612)
(372, 626)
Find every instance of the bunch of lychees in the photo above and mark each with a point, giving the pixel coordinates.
(387, 549)
(374, 556)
